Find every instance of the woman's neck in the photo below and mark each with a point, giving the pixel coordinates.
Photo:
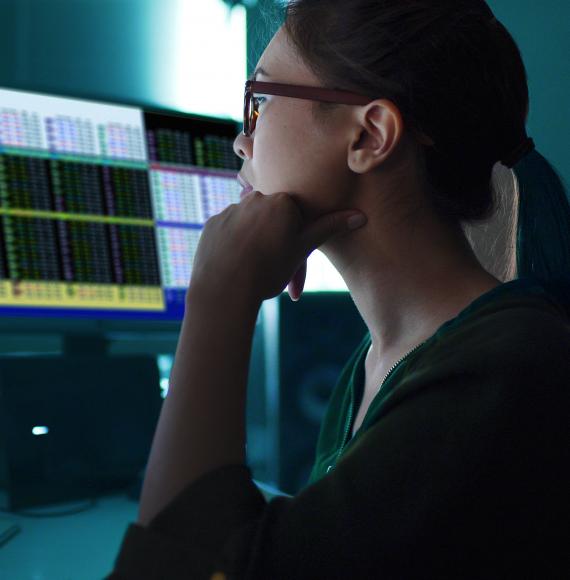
(407, 281)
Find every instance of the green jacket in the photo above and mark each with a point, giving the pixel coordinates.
(459, 471)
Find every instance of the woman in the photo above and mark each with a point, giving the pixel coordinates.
(443, 450)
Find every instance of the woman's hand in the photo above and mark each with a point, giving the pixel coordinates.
(261, 244)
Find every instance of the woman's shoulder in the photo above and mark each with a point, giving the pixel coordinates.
(524, 328)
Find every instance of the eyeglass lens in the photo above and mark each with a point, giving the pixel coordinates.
(250, 114)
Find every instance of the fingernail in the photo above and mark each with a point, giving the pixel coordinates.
(356, 221)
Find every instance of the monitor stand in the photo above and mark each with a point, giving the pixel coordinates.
(97, 345)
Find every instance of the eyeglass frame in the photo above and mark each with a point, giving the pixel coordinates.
(296, 91)
(322, 94)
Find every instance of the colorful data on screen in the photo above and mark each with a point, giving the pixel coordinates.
(102, 205)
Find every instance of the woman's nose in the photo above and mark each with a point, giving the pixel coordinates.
(242, 146)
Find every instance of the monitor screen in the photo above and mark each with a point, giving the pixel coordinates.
(102, 205)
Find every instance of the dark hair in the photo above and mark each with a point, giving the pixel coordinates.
(457, 76)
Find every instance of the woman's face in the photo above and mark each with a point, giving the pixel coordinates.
(289, 151)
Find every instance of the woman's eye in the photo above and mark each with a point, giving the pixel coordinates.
(260, 100)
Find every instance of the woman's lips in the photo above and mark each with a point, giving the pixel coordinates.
(245, 184)
(245, 191)
(247, 187)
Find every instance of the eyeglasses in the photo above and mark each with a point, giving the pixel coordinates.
(251, 105)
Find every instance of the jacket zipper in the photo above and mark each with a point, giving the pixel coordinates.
(350, 410)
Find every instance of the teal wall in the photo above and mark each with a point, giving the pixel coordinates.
(541, 31)
(84, 48)
(147, 52)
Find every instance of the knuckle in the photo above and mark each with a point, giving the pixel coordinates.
(212, 220)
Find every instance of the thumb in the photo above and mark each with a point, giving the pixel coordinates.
(330, 225)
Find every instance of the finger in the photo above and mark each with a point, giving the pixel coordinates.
(297, 283)
(331, 225)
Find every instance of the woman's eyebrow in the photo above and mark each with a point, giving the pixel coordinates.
(258, 70)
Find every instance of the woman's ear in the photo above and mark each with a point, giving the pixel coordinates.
(378, 129)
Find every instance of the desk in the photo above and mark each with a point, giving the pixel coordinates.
(82, 546)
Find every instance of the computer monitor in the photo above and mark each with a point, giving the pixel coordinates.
(102, 206)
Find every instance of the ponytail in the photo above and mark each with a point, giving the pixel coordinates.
(543, 225)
